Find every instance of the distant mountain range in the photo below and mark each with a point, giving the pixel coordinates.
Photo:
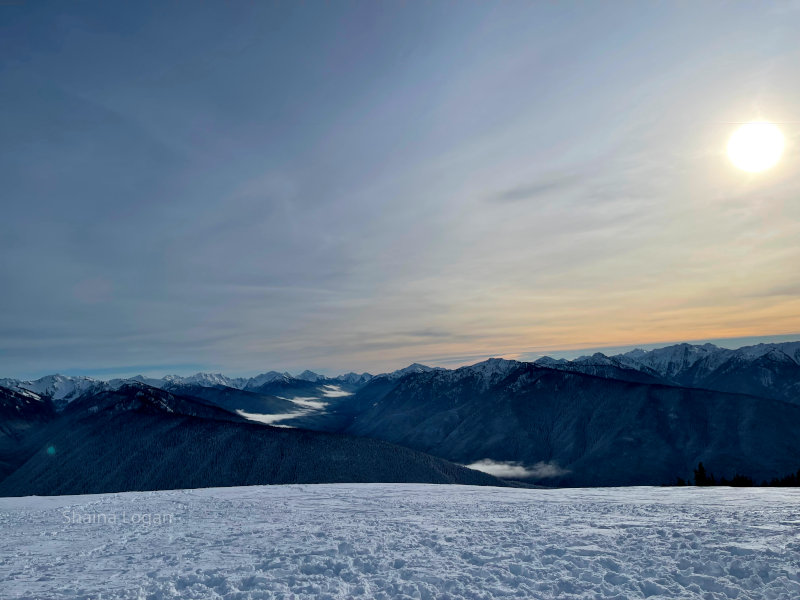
(643, 417)
(768, 370)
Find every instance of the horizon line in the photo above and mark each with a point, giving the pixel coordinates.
(111, 373)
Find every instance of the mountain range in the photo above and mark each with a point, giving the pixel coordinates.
(138, 437)
(642, 417)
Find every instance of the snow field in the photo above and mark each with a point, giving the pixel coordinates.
(404, 541)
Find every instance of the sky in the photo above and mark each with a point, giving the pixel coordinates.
(240, 186)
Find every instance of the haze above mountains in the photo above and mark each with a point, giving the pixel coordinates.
(642, 417)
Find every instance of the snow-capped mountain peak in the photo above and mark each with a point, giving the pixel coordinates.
(259, 380)
(598, 358)
(311, 376)
(212, 379)
(354, 378)
(492, 367)
(672, 360)
(549, 361)
(57, 387)
(412, 368)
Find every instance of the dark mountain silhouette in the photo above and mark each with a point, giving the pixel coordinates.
(772, 375)
(586, 429)
(143, 438)
(643, 417)
(21, 413)
(233, 399)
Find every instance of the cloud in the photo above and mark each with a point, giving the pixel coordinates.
(532, 190)
(546, 470)
(197, 217)
(781, 290)
(516, 470)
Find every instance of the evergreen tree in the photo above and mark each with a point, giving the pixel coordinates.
(701, 477)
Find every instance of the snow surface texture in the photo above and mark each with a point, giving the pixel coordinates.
(404, 541)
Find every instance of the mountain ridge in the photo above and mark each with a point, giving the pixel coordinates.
(139, 438)
(767, 370)
(642, 417)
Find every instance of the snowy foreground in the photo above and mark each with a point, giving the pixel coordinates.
(404, 541)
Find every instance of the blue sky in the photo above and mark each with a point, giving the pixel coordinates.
(356, 186)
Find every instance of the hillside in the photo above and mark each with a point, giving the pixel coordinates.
(142, 438)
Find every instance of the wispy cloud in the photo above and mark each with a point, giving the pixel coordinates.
(536, 189)
(244, 205)
(516, 470)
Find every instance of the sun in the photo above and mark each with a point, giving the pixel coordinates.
(756, 146)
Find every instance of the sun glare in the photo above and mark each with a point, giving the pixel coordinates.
(756, 147)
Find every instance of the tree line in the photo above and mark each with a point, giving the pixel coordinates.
(703, 477)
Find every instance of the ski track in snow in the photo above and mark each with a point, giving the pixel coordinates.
(406, 541)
